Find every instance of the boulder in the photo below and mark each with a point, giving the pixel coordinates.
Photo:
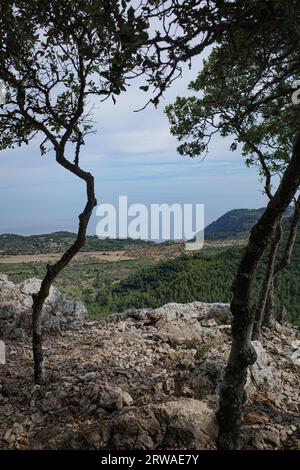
(295, 356)
(262, 373)
(180, 322)
(3, 278)
(193, 311)
(208, 375)
(16, 303)
(182, 424)
(114, 399)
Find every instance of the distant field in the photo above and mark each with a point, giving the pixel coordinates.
(80, 257)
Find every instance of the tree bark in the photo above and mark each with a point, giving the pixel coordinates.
(282, 315)
(55, 269)
(265, 316)
(268, 318)
(268, 285)
(242, 353)
(287, 257)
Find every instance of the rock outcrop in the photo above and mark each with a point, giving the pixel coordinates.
(16, 303)
(144, 378)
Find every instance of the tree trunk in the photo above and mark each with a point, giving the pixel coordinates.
(282, 315)
(265, 316)
(287, 256)
(38, 357)
(268, 318)
(55, 269)
(242, 353)
(267, 287)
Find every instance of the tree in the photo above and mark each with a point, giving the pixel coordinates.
(265, 310)
(55, 57)
(266, 141)
(246, 94)
(263, 37)
(52, 53)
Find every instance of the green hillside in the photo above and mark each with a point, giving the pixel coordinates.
(11, 244)
(237, 223)
(204, 277)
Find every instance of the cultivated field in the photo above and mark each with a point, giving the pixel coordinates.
(80, 257)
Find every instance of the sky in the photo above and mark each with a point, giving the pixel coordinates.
(133, 154)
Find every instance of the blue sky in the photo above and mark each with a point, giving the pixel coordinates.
(132, 154)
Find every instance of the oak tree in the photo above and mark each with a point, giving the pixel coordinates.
(247, 92)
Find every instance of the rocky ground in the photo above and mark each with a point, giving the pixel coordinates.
(145, 379)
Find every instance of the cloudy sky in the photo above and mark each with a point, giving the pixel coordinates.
(131, 154)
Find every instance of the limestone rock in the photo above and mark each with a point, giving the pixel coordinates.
(295, 357)
(143, 378)
(271, 436)
(209, 372)
(261, 373)
(3, 278)
(2, 353)
(114, 399)
(15, 308)
(182, 424)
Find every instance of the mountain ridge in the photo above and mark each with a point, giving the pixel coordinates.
(238, 221)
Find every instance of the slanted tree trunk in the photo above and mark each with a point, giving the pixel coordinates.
(265, 302)
(265, 312)
(282, 315)
(268, 318)
(287, 257)
(242, 353)
(55, 269)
